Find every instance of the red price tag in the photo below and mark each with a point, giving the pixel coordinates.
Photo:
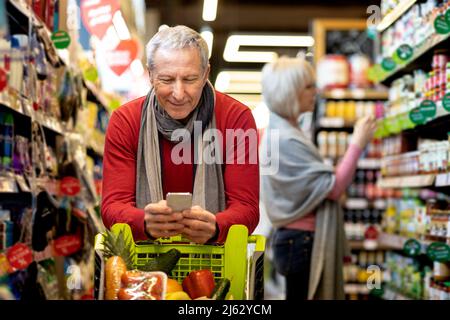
(70, 186)
(20, 256)
(3, 79)
(66, 245)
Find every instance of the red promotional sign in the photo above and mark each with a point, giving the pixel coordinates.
(97, 15)
(19, 256)
(3, 79)
(70, 186)
(66, 245)
(121, 57)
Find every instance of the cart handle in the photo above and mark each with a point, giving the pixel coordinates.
(259, 240)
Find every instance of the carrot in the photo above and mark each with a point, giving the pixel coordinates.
(114, 269)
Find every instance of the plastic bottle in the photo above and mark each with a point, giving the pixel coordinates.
(322, 141)
(332, 144)
(8, 140)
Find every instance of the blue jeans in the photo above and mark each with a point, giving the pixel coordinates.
(292, 258)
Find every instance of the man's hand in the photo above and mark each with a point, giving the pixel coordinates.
(199, 224)
(160, 221)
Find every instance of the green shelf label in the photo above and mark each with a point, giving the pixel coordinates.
(416, 116)
(428, 108)
(438, 251)
(388, 64)
(447, 16)
(61, 39)
(441, 24)
(446, 101)
(412, 247)
(404, 52)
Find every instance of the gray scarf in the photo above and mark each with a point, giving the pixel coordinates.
(299, 187)
(208, 191)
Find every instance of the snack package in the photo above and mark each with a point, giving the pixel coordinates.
(142, 285)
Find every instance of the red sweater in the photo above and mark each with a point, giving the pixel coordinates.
(119, 171)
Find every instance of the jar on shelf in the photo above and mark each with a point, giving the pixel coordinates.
(333, 71)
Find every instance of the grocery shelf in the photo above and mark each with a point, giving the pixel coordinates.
(357, 94)
(369, 245)
(397, 242)
(363, 203)
(416, 181)
(335, 122)
(442, 180)
(437, 40)
(395, 14)
(356, 288)
(369, 163)
(393, 294)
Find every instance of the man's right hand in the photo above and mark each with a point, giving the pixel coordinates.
(161, 222)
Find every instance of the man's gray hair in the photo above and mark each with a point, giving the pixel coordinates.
(178, 37)
(282, 82)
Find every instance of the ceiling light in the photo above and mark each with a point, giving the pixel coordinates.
(209, 10)
(232, 53)
(209, 38)
(239, 81)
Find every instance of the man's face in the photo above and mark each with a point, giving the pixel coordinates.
(178, 79)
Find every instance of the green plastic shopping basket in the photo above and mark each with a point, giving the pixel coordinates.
(232, 260)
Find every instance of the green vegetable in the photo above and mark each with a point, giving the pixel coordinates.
(221, 289)
(165, 262)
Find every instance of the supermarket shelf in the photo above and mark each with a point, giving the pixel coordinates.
(369, 245)
(395, 14)
(443, 180)
(363, 203)
(328, 122)
(356, 288)
(369, 94)
(392, 294)
(416, 181)
(369, 163)
(438, 39)
(397, 242)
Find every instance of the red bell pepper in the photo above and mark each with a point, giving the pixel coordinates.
(199, 283)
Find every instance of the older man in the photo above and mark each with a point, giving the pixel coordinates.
(142, 158)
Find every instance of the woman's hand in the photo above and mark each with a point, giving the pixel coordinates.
(363, 131)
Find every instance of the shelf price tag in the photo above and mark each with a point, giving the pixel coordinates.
(3, 79)
(446, 100)
(438, 251)
(20, 256)
(403, 53)
(416, 116)
(428, 109)
(412, 247)
(441, 24)
(388, 64)
(61, 39)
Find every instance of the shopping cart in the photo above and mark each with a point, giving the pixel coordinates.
(240, 259)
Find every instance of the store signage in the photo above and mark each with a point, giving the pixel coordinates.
(417, 116)
(412, 247)
(61, 39)
(70, 186)
(446, 102)
(97, 15)
(122, 56)
(67, 245)
(3, 79)
(438, 251)
(19, 256)
(441, 24)
(428, 108)
(404, 52)
(388, 64)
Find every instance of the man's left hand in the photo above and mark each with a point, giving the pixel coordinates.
(200, 224)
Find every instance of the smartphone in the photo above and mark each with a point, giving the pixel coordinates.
(179, 201)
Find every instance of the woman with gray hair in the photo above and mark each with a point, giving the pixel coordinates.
(301, 198)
